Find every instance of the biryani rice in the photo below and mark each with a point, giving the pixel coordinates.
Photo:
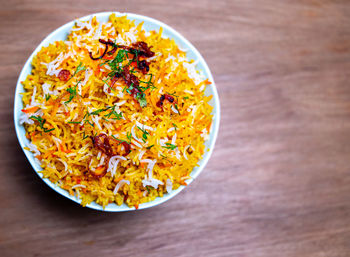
(166, 143)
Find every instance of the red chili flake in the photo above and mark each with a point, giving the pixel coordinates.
(64, 75)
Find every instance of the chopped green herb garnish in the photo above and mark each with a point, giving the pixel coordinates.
(48, 130)
(84, 136)
(131, 87)
(97, 112)
(118, 116)
(121, 56)
(142, 99)
(47, 97)
(186, 97)
(144, 135)
(132, 71)
(41, 122)
(149, 84)
(91, 124)
(136, 56)
(175, 105)
(173, 94)
(175, 126)
(72, 91)
(128, 135)
(116, 63)
(86, 114)
(117, 68)
(169, 146)
(122, 140)
(149, 147)
(80, 67)
(108, 85)
(165, 158)
(111, 74)
(101, 64)
(38, 118)
(74, 122)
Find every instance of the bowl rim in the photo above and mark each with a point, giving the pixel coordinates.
(172, 34)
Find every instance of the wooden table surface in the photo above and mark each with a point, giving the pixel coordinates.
(278, 182)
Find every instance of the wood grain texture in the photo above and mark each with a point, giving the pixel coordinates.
(278, 183)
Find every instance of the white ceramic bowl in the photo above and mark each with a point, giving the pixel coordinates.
(149, 24)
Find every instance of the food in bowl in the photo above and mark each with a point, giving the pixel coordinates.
(115, 113)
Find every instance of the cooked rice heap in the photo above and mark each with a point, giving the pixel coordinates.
(110, 122)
